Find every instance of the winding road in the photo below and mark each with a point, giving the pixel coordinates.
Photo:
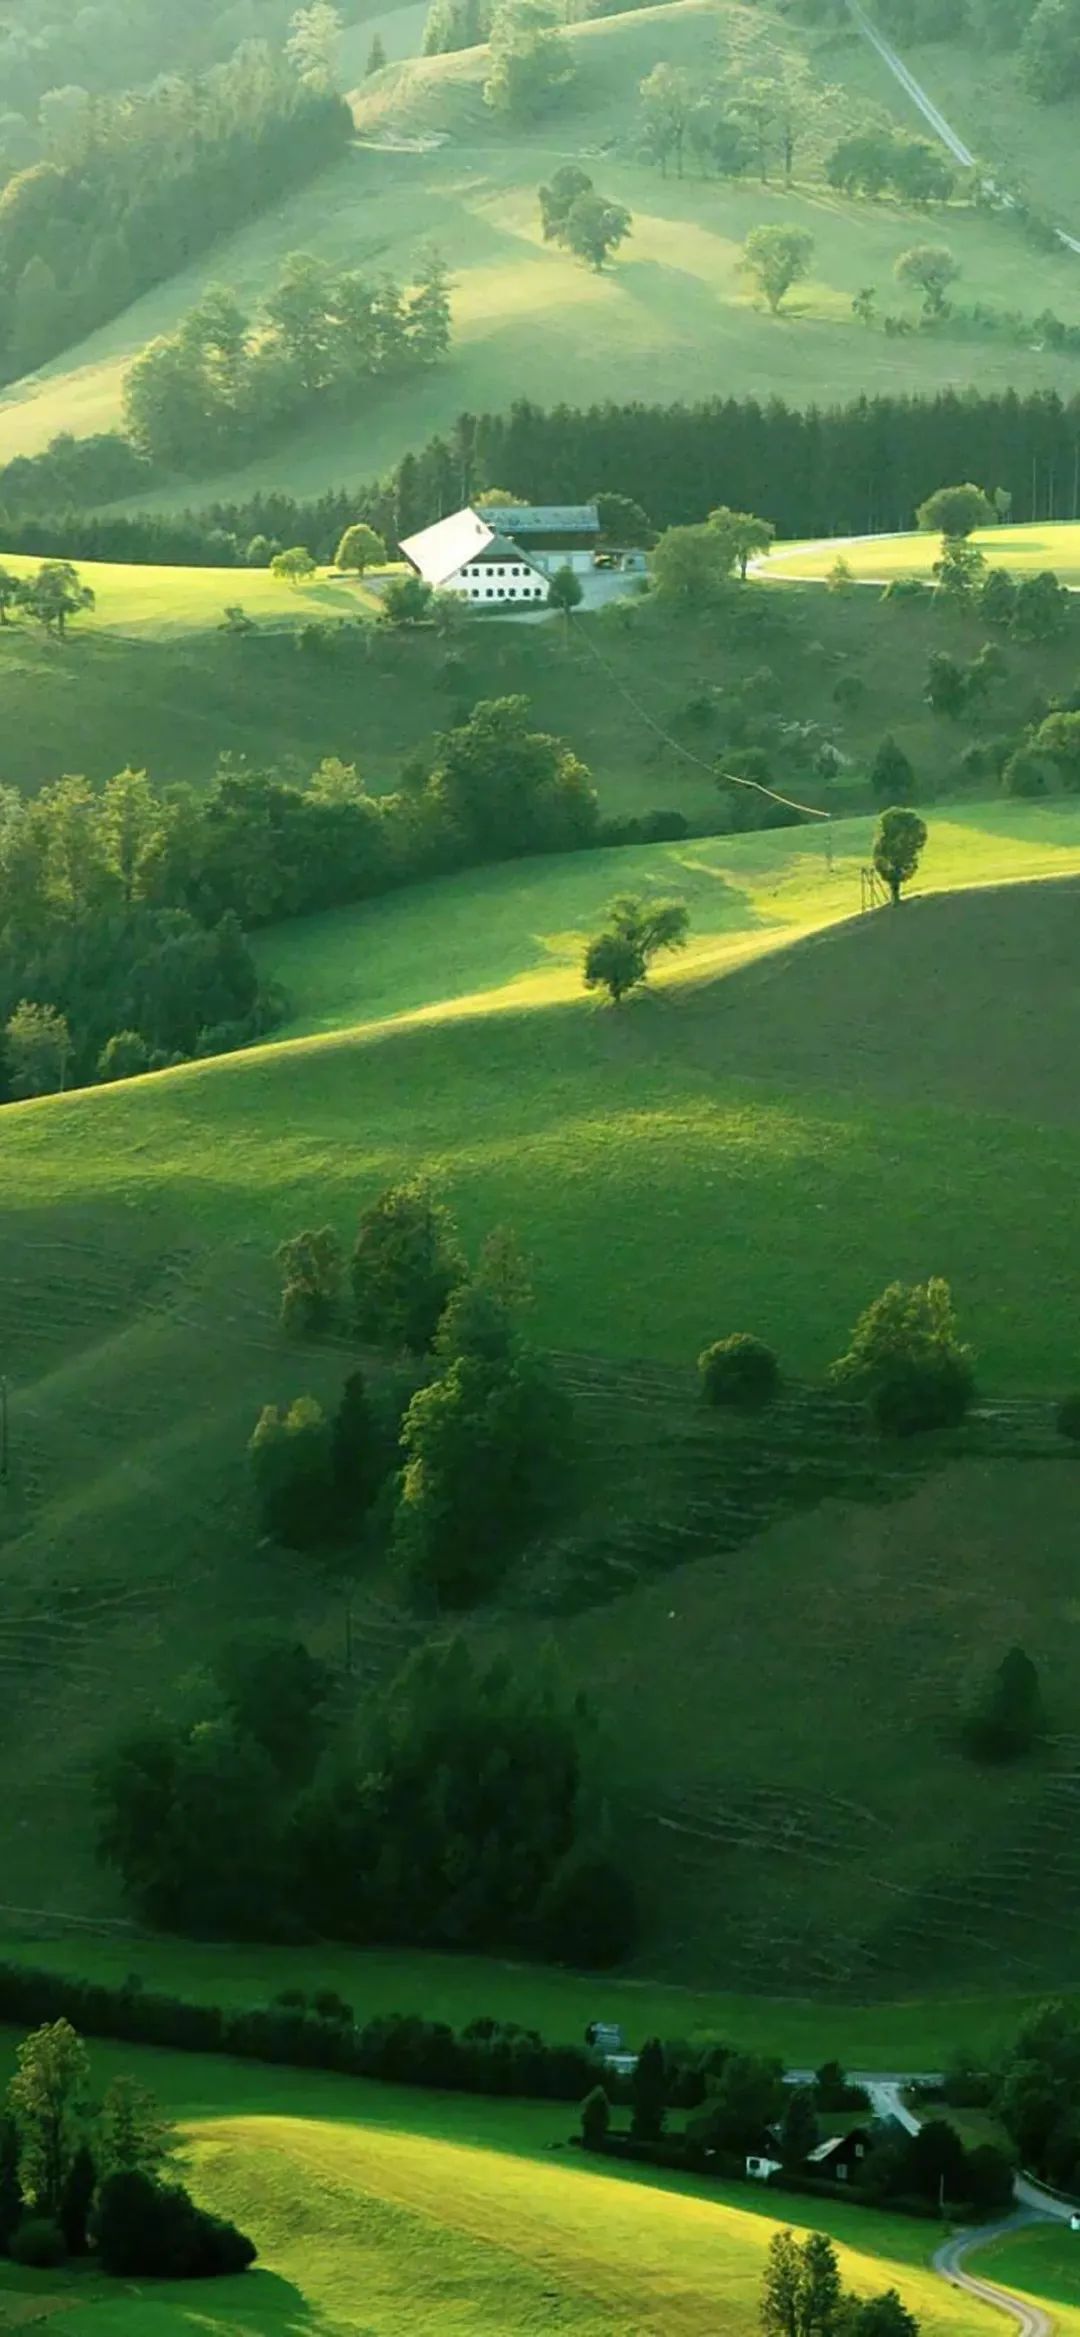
(1033, 2205)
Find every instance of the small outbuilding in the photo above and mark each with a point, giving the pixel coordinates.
(842, 2156)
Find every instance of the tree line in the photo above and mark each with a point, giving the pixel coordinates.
(123, 910)
(135, 184)
(859, 468)
(226, 380)
(88, 2177)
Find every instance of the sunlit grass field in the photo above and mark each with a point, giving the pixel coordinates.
(158, 603)
(387, 2213)
(1024, 550)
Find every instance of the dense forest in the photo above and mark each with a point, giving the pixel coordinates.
(840, 470)
(131, 187)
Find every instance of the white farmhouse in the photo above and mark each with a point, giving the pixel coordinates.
(511, 561)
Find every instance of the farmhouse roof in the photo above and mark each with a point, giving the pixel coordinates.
(438, 552)
(542, 519)
(835, 2142)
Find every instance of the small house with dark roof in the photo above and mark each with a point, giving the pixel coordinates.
(842, 2156)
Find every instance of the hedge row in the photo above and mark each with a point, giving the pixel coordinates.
(486, 2058)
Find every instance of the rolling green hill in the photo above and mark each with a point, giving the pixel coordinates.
(761, 1150)
(644, 695)
(378, 2216)
(145, 603)
(673, 318)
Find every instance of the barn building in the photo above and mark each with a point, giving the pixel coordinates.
(511, 561)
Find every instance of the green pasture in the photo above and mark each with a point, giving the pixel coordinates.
(673, 317)
(1023, 550)
(514, 936)
(1042, 2262)
(381, 2212)
(916, 2034)
(815, 1103)
(160, 603)
(640, 692)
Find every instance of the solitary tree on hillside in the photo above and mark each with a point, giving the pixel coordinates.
(956, 511)
(360, 548)
(777, 258)
(295, 566)
(594, 228)
(55, 594)
(638, 929)
(376, 56)
(899, 841)
(932, 267)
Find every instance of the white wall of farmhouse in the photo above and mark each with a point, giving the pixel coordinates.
(490, 581)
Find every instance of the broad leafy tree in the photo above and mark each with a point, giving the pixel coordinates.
(956, 511)
(776, 258)
(746, 533)
(898, 846)
(638, 930)
(55, 595)
(931, 267)
(360, 548)
(907, 1359)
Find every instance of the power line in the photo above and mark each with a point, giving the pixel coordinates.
(733, 779)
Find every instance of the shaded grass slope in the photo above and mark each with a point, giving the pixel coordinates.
(761, 1151)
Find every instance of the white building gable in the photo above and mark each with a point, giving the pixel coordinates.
(465, 555)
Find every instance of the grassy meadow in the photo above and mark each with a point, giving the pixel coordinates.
(1023, 550)
(639, 692)
(145, 603)
(907, 2034)
(673, 317)
(739, 1148)
(378, 2212)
